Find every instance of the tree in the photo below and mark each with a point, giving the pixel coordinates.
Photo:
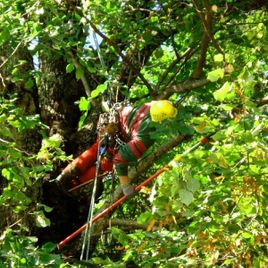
(61, 59)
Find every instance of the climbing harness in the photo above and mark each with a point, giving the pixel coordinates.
(118, 142)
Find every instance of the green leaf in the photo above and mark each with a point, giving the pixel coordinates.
(215, 75)
(29, 84)
(193, 184)
(44, 207)
(79, 73)
(247, 235)
(41, 220)
(100, 89)
(186, 196)
(82, 119)
(84, 104)
(226, 92)
(69, 68)
(7, 174)
(246, 206)
(159, 53)
(227, 107)
(23, 261)
(219, 136)
(154, 19)
(91, 68)
(161, 201)
(48, 247)
(120, 236)
(218, 57)
(145, 217)
(15, 71)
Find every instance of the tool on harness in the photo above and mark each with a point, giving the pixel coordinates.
(104, 144)
(109, 125)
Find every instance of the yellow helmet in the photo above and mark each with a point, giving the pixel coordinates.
(161, 110)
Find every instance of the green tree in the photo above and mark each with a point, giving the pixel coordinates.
(61, 60)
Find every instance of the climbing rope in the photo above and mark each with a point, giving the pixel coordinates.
(101, 150)
(110, 93)
(87, 235)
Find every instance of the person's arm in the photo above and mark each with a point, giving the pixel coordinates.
(128, 153)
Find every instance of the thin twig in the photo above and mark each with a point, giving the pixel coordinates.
(170, 67)
(16, 149)
(174, 47)
(11, 55)
(189, 53)
(3, 81)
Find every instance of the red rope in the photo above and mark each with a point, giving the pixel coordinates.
(110, 208)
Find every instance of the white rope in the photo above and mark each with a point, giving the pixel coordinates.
(88, 231)
(102, 62)
(98, 51)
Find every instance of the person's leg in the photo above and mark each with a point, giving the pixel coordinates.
(87, 158)
(90, 173)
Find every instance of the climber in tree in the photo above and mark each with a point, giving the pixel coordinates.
(123, 137)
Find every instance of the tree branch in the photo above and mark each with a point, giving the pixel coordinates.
(83, 78)
(262, 101)
(207, 26)
(183, 87)
(206, 20)
(188, 55)
(127, 223)
(171, 66)
(13, 52)
(156, 154)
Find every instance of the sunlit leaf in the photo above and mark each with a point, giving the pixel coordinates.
(100, 89)
(218, 57)
(69, 68)
(215, 75)
(225, 92)
(222, 162)
(84, 104)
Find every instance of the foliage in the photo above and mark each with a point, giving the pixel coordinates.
(210, 208)
(21, 175)
(20, 251)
